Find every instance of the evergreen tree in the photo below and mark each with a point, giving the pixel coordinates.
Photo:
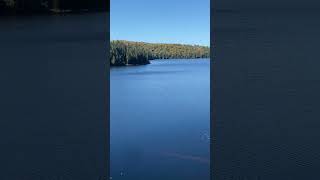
(134, 53)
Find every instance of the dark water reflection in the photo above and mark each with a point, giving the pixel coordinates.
(266, 93)
(53, 75)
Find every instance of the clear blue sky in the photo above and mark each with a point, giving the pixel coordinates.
(161, 21)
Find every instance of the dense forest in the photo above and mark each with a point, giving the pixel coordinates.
(51, 6)
(137, 53)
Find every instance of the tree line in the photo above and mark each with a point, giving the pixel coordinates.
(47, 6)
(136, 53)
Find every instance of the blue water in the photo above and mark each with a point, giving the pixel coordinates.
(160, 117)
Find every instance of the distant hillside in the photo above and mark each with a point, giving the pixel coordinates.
(137, 53)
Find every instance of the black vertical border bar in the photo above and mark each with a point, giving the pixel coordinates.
(107, 75)
(41, 105)
(108, 87)
(212, 87)
(288, 95)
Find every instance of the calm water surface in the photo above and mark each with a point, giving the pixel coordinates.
(160, 120)
(53, 121)
(267, 85)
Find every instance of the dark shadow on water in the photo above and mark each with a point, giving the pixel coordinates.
(153, 72)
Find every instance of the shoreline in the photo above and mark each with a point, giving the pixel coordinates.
(124, 52)
(173, 59)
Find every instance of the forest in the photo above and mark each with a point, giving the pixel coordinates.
(51, 6)
(139, 53)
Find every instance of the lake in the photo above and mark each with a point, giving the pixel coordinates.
(54, 97)
(267, 84)
(160, 119)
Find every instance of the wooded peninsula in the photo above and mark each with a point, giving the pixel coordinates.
(124, 53)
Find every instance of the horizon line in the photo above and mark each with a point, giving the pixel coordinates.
(160, 43)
